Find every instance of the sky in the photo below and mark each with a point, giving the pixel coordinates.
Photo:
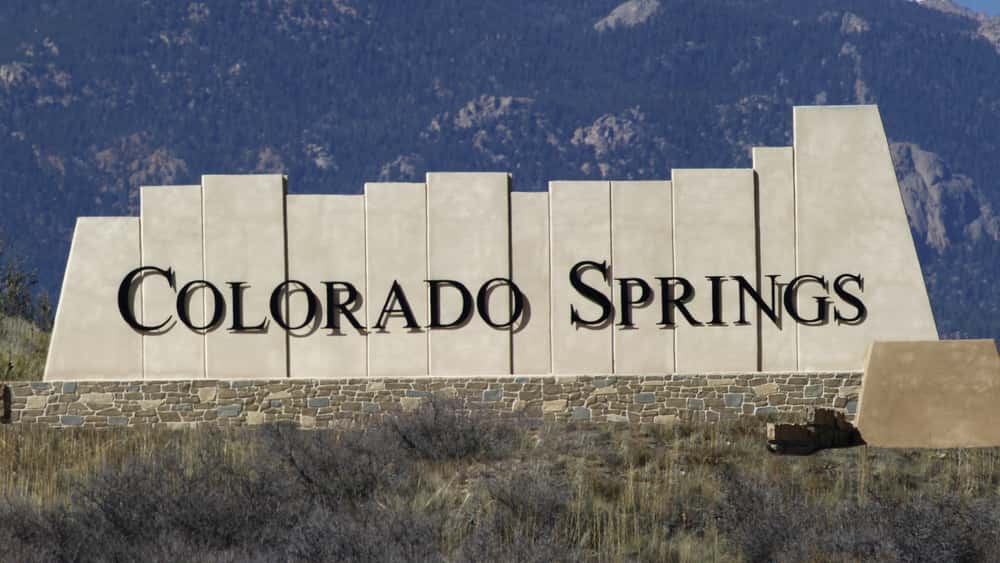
(991, 7)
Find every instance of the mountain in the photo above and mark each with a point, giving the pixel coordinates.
(101, 97)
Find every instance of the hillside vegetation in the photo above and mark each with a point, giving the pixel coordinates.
(24, 320)
(437, 485)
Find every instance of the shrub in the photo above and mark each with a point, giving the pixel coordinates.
(442, 429)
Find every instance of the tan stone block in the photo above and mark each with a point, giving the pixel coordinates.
(557, 405)
(97, 398)
(36, 402)
(766, 389)
(934, 394)
(447, 392)
(376, 386)
(255, 418)
(849, 391)
(150, 404)
(665, 419)
(605, 391)
(278, 396)
(410, 404)
(307, 421)
(721, 382)
(207, 394)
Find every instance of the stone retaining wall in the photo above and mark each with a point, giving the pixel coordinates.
(317, 403)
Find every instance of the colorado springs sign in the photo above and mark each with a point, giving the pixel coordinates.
(794, 265)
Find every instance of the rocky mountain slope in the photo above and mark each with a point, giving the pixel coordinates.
(99, 98)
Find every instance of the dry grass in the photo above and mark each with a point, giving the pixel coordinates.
(22, 350)
(486, 490)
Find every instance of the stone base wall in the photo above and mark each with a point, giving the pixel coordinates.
(318, 403)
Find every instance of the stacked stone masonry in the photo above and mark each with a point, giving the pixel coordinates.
(323, 403)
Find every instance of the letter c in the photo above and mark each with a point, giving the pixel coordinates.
(125, 301)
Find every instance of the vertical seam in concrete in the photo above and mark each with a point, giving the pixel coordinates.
(288, 297)
(427, 269)
(552, 319)
(510, 276)
(795, 234)
(204, 276)
(611, 267)
(142, 300)
(548, 213)
(673, 253)
(758, 265)
(367, 294)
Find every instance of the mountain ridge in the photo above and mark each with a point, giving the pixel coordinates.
(97, 100)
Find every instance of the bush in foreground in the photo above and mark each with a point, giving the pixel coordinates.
(448, 484)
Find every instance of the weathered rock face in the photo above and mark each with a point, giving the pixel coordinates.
(628, 14)
(319, 403)
(943, 207)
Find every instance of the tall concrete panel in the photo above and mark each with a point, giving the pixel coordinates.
(641, 248)
(326, 243)
(850, 220)
(171, 238)
(245, 242)
(90, 340)
(775, 169)
(714, 235)
(468, 240)
(396, 235)
(580, 230)
(529, 220)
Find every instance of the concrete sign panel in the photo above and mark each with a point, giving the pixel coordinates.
(396, 270)
(850, 220)
(797, 264)
(171, 230)
(468, 246)
(580, 231)
(642, 236)
(714, 242)
(329, 337)
(775, 171)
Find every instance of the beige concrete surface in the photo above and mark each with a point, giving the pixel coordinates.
(775, 171)
(714, 235)
(326, 242)
(580, 229)
(529, 215)
(245, 242)
(468, 241)
(850, 219)
(642, 247)
(932, 394)
(170, 222)
(90, 340)
(396, 235)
